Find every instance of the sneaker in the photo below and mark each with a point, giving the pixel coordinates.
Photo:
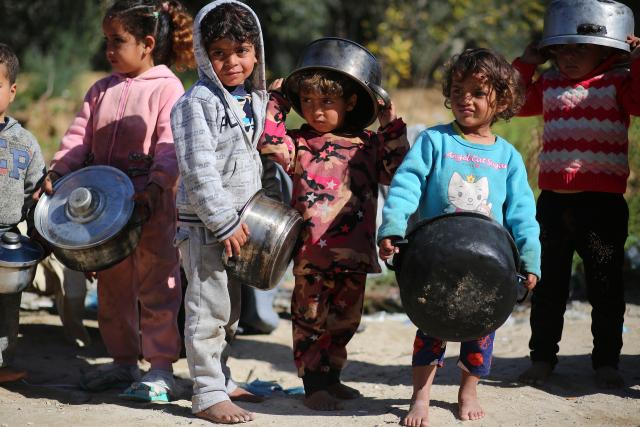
(109, 376)
(155, 385)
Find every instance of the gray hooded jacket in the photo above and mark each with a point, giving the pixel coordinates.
(219, 163)
(21, 169)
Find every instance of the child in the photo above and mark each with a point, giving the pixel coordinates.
(480, 87)
(21, 170)
(585, 100)
(216, 125)
(124, 122)
(335, 168)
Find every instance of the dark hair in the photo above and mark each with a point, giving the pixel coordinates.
(10, 60)
(168, 22)
(230, 21)
(326, 82)
(496, 72)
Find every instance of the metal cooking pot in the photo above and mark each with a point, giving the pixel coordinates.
(274, 229)
(458, 275)
(352, 60)
(601, 22)
(89, 219)
(19, 258)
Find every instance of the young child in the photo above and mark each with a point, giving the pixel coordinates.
(21, 170)
(447, 164)
(335, 168)
(585, 100)
(216, 126)
(124, 122)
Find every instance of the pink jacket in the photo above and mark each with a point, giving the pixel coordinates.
(124, 123)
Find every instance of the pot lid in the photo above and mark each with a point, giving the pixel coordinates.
(18, 251)
(88, 207)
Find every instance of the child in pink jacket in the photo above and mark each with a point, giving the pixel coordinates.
(124, 123)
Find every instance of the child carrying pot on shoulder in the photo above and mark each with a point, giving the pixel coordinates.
(464, 166)
(336, 167)
(124, 123)
(586, 101)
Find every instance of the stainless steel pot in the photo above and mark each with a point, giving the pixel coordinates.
(274, 229)
(19, 258)
(601, 22)
(352, 60)
(89, 221)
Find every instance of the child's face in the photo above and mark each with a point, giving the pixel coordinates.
(577, 60)
(473, 102)
(125, 54)
(325, 113)
(7, 91)
(232, 62)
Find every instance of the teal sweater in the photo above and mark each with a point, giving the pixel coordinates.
(444, 173)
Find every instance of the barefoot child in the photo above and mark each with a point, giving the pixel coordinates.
(480, 87)
(335, 168)
(124, 123)
(216, 126)
(585, 100)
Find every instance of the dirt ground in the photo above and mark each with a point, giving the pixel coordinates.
(379, 356)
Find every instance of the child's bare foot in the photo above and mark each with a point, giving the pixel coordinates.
(536, 374)
(226, 412)
(8, 375)
(418, 415)
(242, 395)
(322, 401)
(609, 377)
(468, 405)
(342, 391)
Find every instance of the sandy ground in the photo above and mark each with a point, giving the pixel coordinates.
(379, 366)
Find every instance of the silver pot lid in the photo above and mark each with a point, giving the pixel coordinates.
(18, 251)
(88, 207)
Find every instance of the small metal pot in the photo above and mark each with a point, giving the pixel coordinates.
(601, 22)
(352, 60)
(274, 229)
(89, 220)
(19, 258)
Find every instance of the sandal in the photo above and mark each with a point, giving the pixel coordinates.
(109, 376)
(155, 386)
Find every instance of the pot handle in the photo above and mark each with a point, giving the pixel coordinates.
(521, 279)
(228, 261)
(399, 244)
(381, 93)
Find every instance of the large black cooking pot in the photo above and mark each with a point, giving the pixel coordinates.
(458, 275)
(353, 61)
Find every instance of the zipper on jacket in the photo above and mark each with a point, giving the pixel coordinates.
(119, 113)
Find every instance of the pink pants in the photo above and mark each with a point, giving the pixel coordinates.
(150, 277)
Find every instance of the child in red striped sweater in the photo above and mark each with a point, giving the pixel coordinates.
(585, 101)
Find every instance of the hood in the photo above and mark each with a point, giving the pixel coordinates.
(205, 69)
(9, 122)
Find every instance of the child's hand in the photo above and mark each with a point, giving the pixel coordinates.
(149, 197)
(634, 42)
(233, 244)
(386, 115)
(387, 248)
(531, 282)
(47, 185)
(276, 85)
(533, 55)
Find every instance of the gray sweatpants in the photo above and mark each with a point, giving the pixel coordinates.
(212, 310)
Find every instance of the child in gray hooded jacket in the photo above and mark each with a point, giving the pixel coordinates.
(216, 126)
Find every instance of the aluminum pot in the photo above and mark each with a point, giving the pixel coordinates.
(19, 258)
(352, 60)
(89, 221)
(458, 275)
(601, 22)
(274, 229)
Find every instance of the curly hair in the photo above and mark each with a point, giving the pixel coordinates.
(326, 82)
(10, 60)
(503, 79)
(168, 22)
(230, 21)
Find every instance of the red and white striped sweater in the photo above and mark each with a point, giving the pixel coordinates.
(586, 123)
